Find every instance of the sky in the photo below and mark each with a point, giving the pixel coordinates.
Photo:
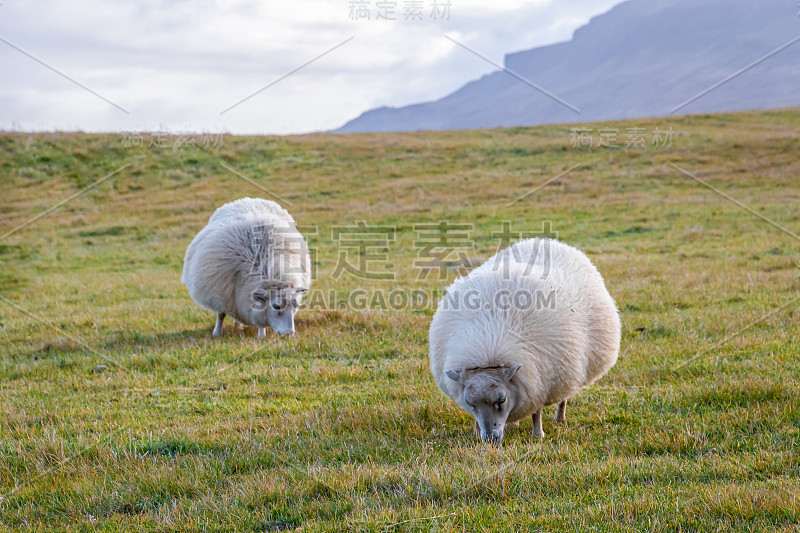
(250, 66)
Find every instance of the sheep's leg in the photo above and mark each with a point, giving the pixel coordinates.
(477, 430)
(262, 332)
(561, 412)
(537, 432)
(218, 327)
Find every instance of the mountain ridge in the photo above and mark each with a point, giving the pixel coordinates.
(642, 58)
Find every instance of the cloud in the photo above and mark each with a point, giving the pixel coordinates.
(178, 64)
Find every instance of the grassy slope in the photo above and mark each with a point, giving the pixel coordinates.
(342, 427)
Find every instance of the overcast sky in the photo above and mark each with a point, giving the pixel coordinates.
(178, 65)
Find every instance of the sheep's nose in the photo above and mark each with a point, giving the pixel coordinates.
(494, 438)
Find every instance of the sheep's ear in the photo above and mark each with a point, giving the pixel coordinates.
(455, 375)
(509, 373)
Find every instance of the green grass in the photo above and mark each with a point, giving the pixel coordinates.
(697, 427)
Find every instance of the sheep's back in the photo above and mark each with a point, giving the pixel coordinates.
(250, 208)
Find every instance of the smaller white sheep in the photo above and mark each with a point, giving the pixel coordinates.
(530, 327)
(249, 262)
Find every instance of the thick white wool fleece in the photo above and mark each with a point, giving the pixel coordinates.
(562, 349)
(248, 244)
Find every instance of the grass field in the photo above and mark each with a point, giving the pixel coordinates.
(121, 413)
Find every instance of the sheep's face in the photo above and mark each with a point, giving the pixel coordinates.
(489, 397)
(276, 309)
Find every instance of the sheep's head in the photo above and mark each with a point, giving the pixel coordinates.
(276, 307)
(489, 396)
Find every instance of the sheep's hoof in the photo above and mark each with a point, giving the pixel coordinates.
(537, 432)
(561, 412)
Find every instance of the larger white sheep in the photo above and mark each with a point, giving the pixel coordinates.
(249, 262)
(530, 327)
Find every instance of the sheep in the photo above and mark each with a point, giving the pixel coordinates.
(529, 328)
(249, 262)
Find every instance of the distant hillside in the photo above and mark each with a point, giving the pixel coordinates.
(642, 58)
